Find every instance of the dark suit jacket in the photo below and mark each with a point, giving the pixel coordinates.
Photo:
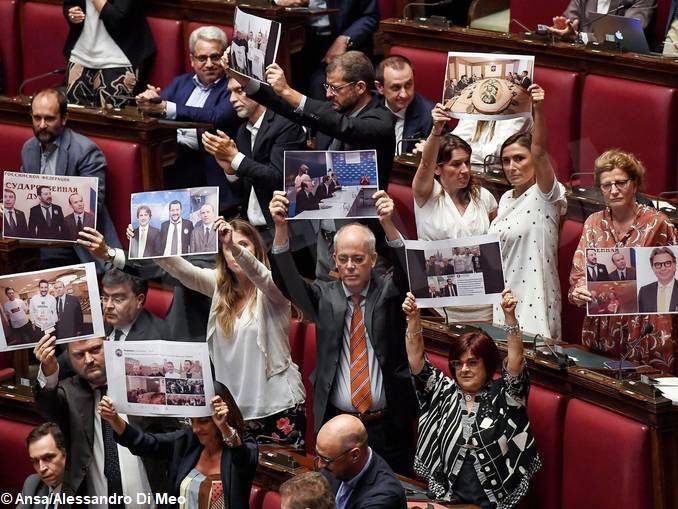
(182, 450)
(601, 272)
(21, 229)
(640, 9)
(37, 225)
(152, 247)
(306, 202)
(70, 322)
(418, 121)
(71, 226)
(377, 489)
(147, 326)
(34, 487)
(358, 19)
(201, 243)
(630, 274)
(372, 128)
(525, 82)
(186, 230)
(447, 293)
(262, 168)
(323, 192)
(647, 298)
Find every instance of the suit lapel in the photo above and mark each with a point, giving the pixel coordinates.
(64, 148)
(339, 308)
(83, 400)
(370, 303)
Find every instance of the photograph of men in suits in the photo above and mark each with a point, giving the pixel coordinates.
(16, 314)
(146, 238)
(449, 289)
(595, 271)
(80, 218)
(662, 295)
(69, 312)
(305, 200)
(42, 308)
(47, 450)
(622, 271)
(204, 237)
(46, 220)
(15, 224)
(175, 234)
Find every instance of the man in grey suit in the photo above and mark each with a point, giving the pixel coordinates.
(204, 236)
(80, 218)
(662, 295)
(623, 271)
(47, 449)
(146, 238)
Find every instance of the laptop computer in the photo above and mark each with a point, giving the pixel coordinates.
(627, 32)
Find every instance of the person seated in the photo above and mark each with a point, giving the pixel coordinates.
(579, 14)
(211, 464)
(471, 423)
(623, 223)
(325, 189)
(306, 200)
(307, 490)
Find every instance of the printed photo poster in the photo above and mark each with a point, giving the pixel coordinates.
(488, 86)
(636, 280)
(63, 302)
(174, 223)
(455, 272)
(48, 207)
(331, 184)
(169, 378)
(254, 45)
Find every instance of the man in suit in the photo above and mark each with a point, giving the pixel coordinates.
(175, 234)
(42, 308)
(595, 271)
(358, 313)
(198, 96)
(395, 82)
(662, 295)
(623, 271)
(525, 80)
(324, 190)
(146, 238)
(358, 475)
(47, 450)
(69, 311)
(14, 220)
(433, 292)
(449, 290)
(80, 218)
(204, 237)
(46, 220)
(306, 200)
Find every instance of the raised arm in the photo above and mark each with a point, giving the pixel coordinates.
(515, 359)
(414, 339)
(422, 183)
(543, 168)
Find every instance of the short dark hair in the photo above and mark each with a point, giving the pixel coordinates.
(60, 96)
(116, 277)
(309, 489)
(481, 345)
(395, 62)
(43, 281)
(6, 190)
(39, 189)
(174, 202)
(7, 289)
(146, 208)
(47, 428)
(524, 139)
(355, 66)
(662, 250)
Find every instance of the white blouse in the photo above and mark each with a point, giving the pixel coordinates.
(486, 144)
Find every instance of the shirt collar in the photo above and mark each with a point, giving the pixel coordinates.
(257, 124)
(51, 148)
(348, 293)
(400, 113)
(353, 482)
(668, 285)
(202, 86)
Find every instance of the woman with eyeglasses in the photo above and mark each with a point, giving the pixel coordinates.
(475, 444)
(211, 464)
(623, 223)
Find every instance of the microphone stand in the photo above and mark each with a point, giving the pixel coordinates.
(60, 70)
(563, 360)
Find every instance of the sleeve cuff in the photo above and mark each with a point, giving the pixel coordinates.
(235, 163)
(252, 87)
(397, 243)
(302, 104)
(171, 112)
(48, 382)
(118, 260)
(280, 248)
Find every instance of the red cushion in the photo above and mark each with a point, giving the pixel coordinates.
(192, 25)
(531, 14)
(572, 316)
(439, 361)
(256, 496)
(633, 116)
(158, 301)
(307, 367)
(387, 9)
(271, 500)
(9, 46)
(606, 460)
(43, 34)
(296, 334)
(169, 59)
(429, 70)
(12, 139)
(15, 466)
(404, 209)
(562, 116)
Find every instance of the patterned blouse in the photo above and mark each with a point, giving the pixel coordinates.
(495, 435)
(603, 333)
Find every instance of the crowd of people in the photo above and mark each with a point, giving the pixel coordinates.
(372, 379)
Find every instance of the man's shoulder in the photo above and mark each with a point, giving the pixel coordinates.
(650, 287)
(71, 138)
(31, 485)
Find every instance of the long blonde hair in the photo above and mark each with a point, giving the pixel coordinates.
(227, 283)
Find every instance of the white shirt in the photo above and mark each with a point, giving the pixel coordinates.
(668, 291)
(399, 126)
(490, 141)
(125, 330)
(143, 236)
(43, 311)
(15, 310)
(171, 230)
(95, 48)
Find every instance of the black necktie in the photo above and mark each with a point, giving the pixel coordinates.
(174, 247)
(111, 460)
(592, 273)
(12, 222)
(60, 307)
(79, 225)
(48, 217)
(621, 276)
(117, 333)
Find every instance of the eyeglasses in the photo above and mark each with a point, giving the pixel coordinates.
(116, 299)
(471, 364)
(666, 265)
(356, 259)
(214, 57)
(619, 184)
(318, 458)
(334, 89)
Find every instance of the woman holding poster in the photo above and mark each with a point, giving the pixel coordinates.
(623, 223)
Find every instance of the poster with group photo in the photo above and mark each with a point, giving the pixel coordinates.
(254, 45)
(174, 223)
(63, 302)
(635, 280)
(331, 184)
(48, 207)
(455, 272)
(169, 378)
(488, 86)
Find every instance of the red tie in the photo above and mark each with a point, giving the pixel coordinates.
(361, 392)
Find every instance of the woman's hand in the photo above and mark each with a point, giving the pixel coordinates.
(410, 307)
(109, 413)
(129, 232)
(440, 118)
(220, 414)
(75, 15)
(225, 231)
(580, 296)
(537, 95)
(508, 305)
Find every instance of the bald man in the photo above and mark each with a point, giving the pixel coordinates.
(359, 476)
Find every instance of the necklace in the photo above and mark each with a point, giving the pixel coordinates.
(468, 397)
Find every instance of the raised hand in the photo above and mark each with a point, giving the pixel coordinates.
(278, 207)
(537, 95)
(109, 413)
(44, 351)
(440, 118)
(410, 306)
(225, 231)
(275, 77)
(94, 242)
(508, 303)
(75, 15)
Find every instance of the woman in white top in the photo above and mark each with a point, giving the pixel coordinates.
(454, 205)
(528, 221)
(247, 333)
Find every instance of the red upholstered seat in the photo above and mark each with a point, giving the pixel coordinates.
(606, 460)
(387, 9)
(192, 25)
(12, 139)
(271, 500)
(158, 301)
(169, 59)
(16, 465)
(9, 46)
(256, 496)
(429, 70)
(43, 34)
(6, 369)
(307, 367)
(297, 334)
(572, 316)
(404, 209)
(531, 14)
(562, 117)
(439, 361)
(633, 116)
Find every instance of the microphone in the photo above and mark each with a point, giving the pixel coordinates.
(562, 359)
(514, 20)
(441, 3)
(626, 4)
(646, 330)
(58, 70)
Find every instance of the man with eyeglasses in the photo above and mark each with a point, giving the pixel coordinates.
(662, 295)
(199, 96)
(359, 477)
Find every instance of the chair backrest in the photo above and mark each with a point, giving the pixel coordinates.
(573, 317)
(531, 14)
(169, 59)
(404, 208)
(271, 500)
(9, 46)
(12, 139)
(256, 496)
(429, 70)
(15, 466)
(158, 301)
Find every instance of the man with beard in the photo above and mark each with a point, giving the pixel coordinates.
(46, 220)
(42, 308)
(80, 218)
(175, 234)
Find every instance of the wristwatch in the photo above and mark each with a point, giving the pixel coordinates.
(110, 252)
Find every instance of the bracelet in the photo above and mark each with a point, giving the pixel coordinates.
(231, 438)
(512, 329)
(414, 333)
